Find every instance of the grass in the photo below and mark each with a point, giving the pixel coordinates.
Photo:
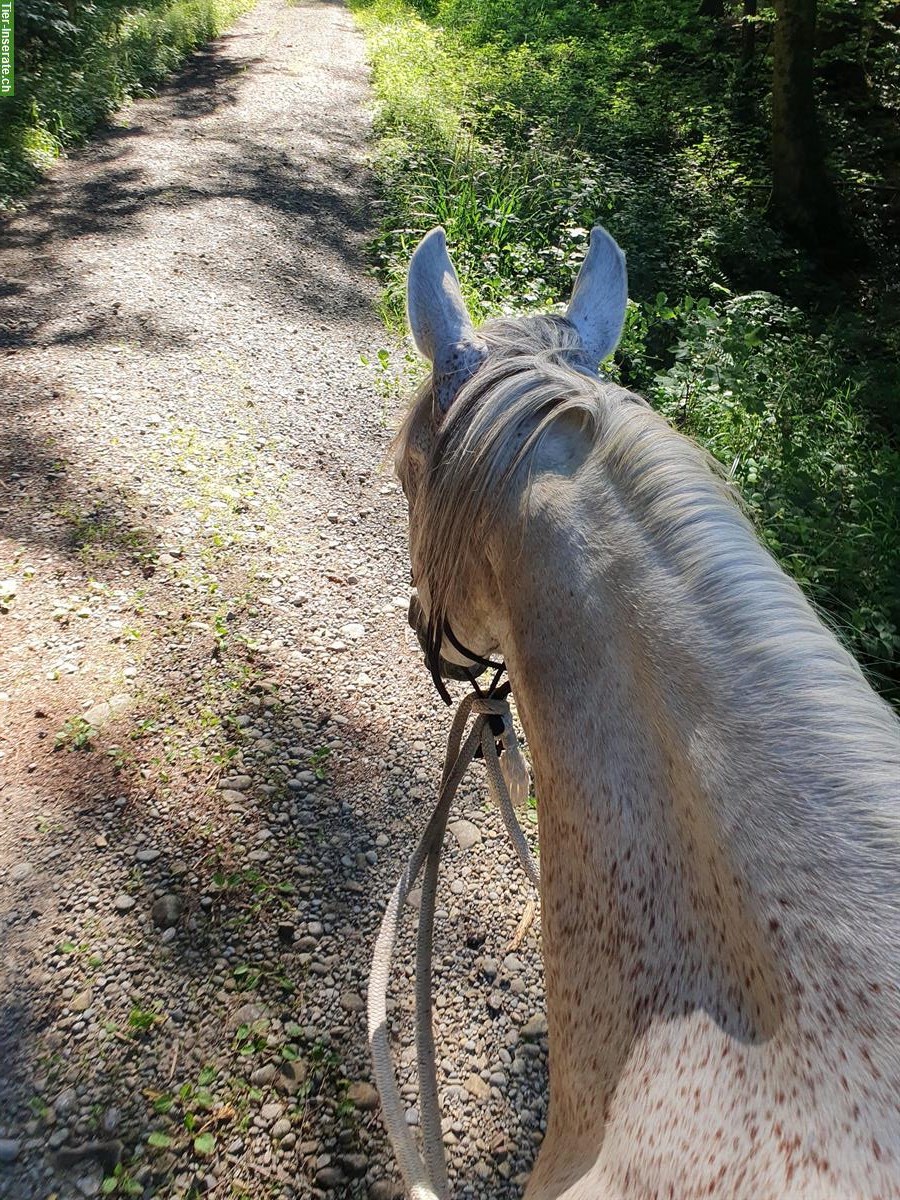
(75, 66)
(519, 125)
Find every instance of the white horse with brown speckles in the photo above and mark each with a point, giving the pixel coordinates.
(719, 787)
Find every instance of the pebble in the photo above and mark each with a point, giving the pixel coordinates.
(21, 871)
(352, 1002)
(477, 1087)
(231, 796)
(66, 1101)
(466, 834)
(363, 1095)
(9, 1150)
(329, 1178)
(290, 1076)
(355, 1165)
(89, 1184)
(123, 902)
(235, 783)
(166, 910)
(383, 1189)
(534, 1028)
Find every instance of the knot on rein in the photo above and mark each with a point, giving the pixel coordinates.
(425, 1174)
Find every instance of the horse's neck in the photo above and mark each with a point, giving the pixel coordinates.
(681, 840)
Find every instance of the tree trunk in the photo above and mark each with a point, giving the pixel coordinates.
(803, 195)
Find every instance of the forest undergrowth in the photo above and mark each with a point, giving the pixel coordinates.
(519, 124)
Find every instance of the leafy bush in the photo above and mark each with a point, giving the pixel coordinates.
(775, 403)
(76, 63)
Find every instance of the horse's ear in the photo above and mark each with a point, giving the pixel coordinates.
(600, 296)
(439, 320)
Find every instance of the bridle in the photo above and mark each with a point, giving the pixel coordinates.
(433, 660)
(492, 737)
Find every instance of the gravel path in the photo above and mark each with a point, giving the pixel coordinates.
(217, 741)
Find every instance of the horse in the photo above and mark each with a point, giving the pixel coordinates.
(718, 785)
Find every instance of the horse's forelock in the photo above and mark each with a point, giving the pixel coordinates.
(534, 372)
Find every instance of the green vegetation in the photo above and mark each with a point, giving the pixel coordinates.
(518, 124)
(77, 62)
(76, 734)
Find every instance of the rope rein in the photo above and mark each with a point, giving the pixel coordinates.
(426, 1178)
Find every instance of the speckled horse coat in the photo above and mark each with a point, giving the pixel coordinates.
(719, 787)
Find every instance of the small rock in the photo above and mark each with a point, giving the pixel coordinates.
(466, 834)
(111, 1119)
(9, 1150)
(355, 1165)
(166, 910)
(363, 1095)
(66, 1101)
(236, 783)
(20, 871)
(476, 1087)
(290, 1077)
(534, 1028)
(353, 630)
(89, 1185)
(352, 1002)
(230, 796)
(147, 856)
(81, 1002)
(123, 902)
(263, 1076)
(383, 1189)
(271, 1112)
(329, 1178)
(247, 1014)
(281, 1128)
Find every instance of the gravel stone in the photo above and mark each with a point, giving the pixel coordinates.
(466, 834)
(166, 910)
(363, 1095)
(329, 1178)
(535, 1027)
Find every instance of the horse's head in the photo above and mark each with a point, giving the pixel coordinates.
(453, 611)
